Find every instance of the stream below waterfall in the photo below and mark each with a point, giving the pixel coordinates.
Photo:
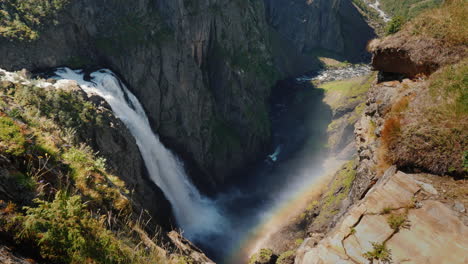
(220, 226)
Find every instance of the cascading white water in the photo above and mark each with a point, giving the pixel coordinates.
(382, 14)
(198, 216)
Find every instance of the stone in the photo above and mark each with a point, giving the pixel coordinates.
(401, 54)
(459, 207)
(25, 74)
(427, 187)
(434, 233)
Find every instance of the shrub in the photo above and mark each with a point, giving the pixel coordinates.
(21, 19)
(66, 232)
(386, 210)
(398, 221)
(394, 25)
(264, 256)
(299, 241)
(286, 258)
(66, 108)
(12, 140)
(83, 160)
(380, 252)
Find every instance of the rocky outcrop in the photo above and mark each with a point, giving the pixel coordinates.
(7, 257)
(368, 129)
(401, 53)
(423, 213)
(188, 249)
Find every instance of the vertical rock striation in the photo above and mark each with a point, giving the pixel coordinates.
(202, 69)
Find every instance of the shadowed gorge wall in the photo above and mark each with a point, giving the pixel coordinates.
(202, 69)
(318, 27)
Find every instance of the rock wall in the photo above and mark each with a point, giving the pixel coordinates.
(321, 27)
(394, 213)
(202, 69)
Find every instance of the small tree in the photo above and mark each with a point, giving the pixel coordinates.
(395, 25)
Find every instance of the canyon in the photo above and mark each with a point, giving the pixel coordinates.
(255, 129)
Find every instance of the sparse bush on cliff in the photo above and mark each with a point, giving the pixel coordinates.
(286, 258)
(12, 140)
(66, 232)
(394, 25)
(380, 252)
(264, 256)
(21, 19)
(398, 221)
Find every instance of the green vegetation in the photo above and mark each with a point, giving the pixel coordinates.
(66, 232)
(299, 241)
(348, 95)
(338, 190)
(407, 9)
(430, 133)
(380, 252)
(286, 258)
(451, 82)
(264, 256)
(448, 23)
(394, 25)
(386, 210)
(23, 19)
(66, 108)
(398, 221)
(347, 91)
(80, 213)
(12, 139)
(371, 15)
(368, 11)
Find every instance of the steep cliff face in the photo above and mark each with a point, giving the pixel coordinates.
(202, 70)
(321, 26)
(64, 153)
(411, 169)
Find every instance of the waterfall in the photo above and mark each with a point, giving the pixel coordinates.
(382, 14)
(196, 215)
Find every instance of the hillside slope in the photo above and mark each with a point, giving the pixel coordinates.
(403, 197)
(61, 200)
(411, 167)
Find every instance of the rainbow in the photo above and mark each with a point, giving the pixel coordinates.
(282, 214)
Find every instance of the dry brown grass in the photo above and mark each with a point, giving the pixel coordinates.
(391, 132)
(448, 23)
(430, 132)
